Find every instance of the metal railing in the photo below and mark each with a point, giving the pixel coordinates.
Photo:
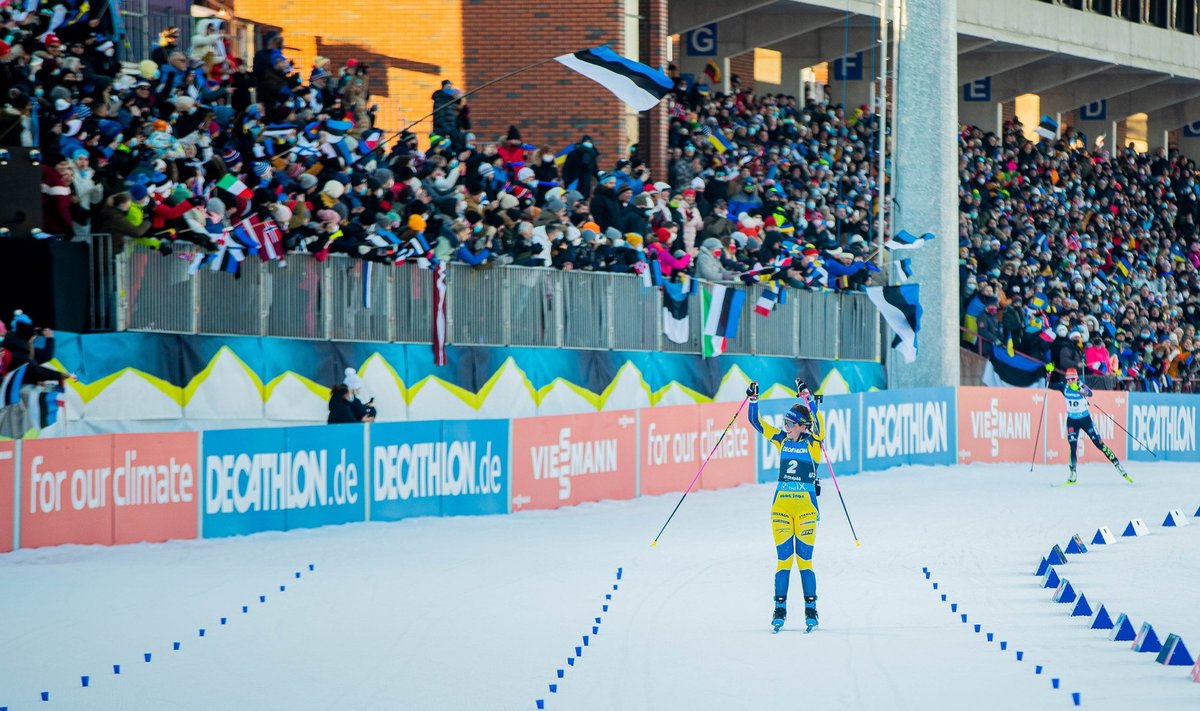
(349, 299)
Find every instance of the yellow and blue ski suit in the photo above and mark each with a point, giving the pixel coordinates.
(794, 511)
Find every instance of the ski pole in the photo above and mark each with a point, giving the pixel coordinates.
(1041, 418)
(1118, 424)
(857, 543)
(689, 488)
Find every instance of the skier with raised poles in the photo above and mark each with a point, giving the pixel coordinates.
(794, 511)
(1079, 417)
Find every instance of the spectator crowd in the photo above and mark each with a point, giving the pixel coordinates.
(1076, 255)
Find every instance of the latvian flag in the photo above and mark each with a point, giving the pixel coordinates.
(907, 240)
(901, 308)
(720, 310)
(636, 84)
(230, 184)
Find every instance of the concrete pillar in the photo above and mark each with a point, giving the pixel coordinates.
(652, 124)
(926, 185)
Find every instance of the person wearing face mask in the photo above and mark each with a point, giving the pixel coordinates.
(545, 171)
(581, 167)
(718, 224)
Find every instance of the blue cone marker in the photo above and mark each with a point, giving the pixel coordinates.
(579, 651)
(964, 618)
(83, 681)
(943, 597)
(604, 608)
(201, 631)
(147, 657)
(989, 636)
(977, 627)
(311, 567)
(618, 573)
(954, 607)
(282, 588)
(262, 598)
(297, 574)
(554, 688)
(1074, 698)
(245, 608)
(541, 703)
(608, 596)
(175, 646)
(935, 586)
(595, 629)
(597, 620)
(223, 620)
(1020, 656)
(116, 669)
(1003, 645)
(1054, 682)
(45, 696)
(614, 586)
(571, 661)
(1037, 669)
(560, 673)
(585, 640)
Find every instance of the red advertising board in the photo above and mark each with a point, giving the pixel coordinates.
(7, 489)
(109, 489)
(568, 459)
(1057, 449)
(733, 461)
(65, 485)
(668, 451)
(997, 424)
(155, 487)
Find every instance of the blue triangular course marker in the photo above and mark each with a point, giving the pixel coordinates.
(1136, 527)
(1056, 556)
(1122, 630)
(1051, 579)
(1075, 545)
(1103, 537)
(1082, 608)
(1147, 640)
(1102, 621)
(1065, 592)
(1174, 654)
(1198, 512)
(1042, 567)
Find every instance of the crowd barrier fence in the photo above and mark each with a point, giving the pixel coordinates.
(123, 488)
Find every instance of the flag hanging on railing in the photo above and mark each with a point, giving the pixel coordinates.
(366, 280)
(439, 313)
(772, 294)
(720, 310)
(900, 306)
(675, 322)
(636, 84)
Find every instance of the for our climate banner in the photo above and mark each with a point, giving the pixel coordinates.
(676, 440)
(109, 489)
(451, 468)
(568, 459)
(7, 491)
(282, 478)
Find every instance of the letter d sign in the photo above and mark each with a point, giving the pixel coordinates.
(1192, 130)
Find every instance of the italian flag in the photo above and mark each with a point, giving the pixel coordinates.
(230, 184)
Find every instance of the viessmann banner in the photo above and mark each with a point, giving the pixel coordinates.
(568, 459)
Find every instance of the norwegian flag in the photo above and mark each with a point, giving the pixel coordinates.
(264, 234)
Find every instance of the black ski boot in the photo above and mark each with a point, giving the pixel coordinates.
(780, 614)
(810, 612)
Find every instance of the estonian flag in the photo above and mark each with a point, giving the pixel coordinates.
(676, 326)
(636, 84)
(720, 310)
(901, 308)
(1047, 128)
(903, 270)
(907, 240)
(1012, 370)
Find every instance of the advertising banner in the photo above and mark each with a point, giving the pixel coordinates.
(908, 427)
(282, 478)
(155, 487)
(733, 462)
(668, 449)
(450, 468)
(998, 424)
(1165, 424)
(66, 486)
(1058, 450)
(842, 442)
(7, 491)
(568, 459)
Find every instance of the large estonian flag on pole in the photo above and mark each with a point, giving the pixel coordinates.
(636, 84)
(901, 308)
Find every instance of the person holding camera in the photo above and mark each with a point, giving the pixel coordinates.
(344, 405)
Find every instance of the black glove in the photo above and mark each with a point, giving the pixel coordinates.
(817, 483)
(752, 391)
(800, 386)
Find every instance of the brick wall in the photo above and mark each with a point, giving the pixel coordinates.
(407, 64)
(652, 128)
(742, 65)
(550, 104)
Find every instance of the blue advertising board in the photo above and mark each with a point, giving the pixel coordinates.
(916, 426)
(1164, 424)
(277, 479)
(842, 443)
(451, 468)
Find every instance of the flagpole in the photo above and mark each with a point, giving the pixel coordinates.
(438, 108)
(882, 133)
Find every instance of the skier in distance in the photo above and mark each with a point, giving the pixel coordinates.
(1079, 417)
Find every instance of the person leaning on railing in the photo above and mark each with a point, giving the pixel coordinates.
(116, 219)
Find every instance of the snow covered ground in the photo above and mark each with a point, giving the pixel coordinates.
(479, 613)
